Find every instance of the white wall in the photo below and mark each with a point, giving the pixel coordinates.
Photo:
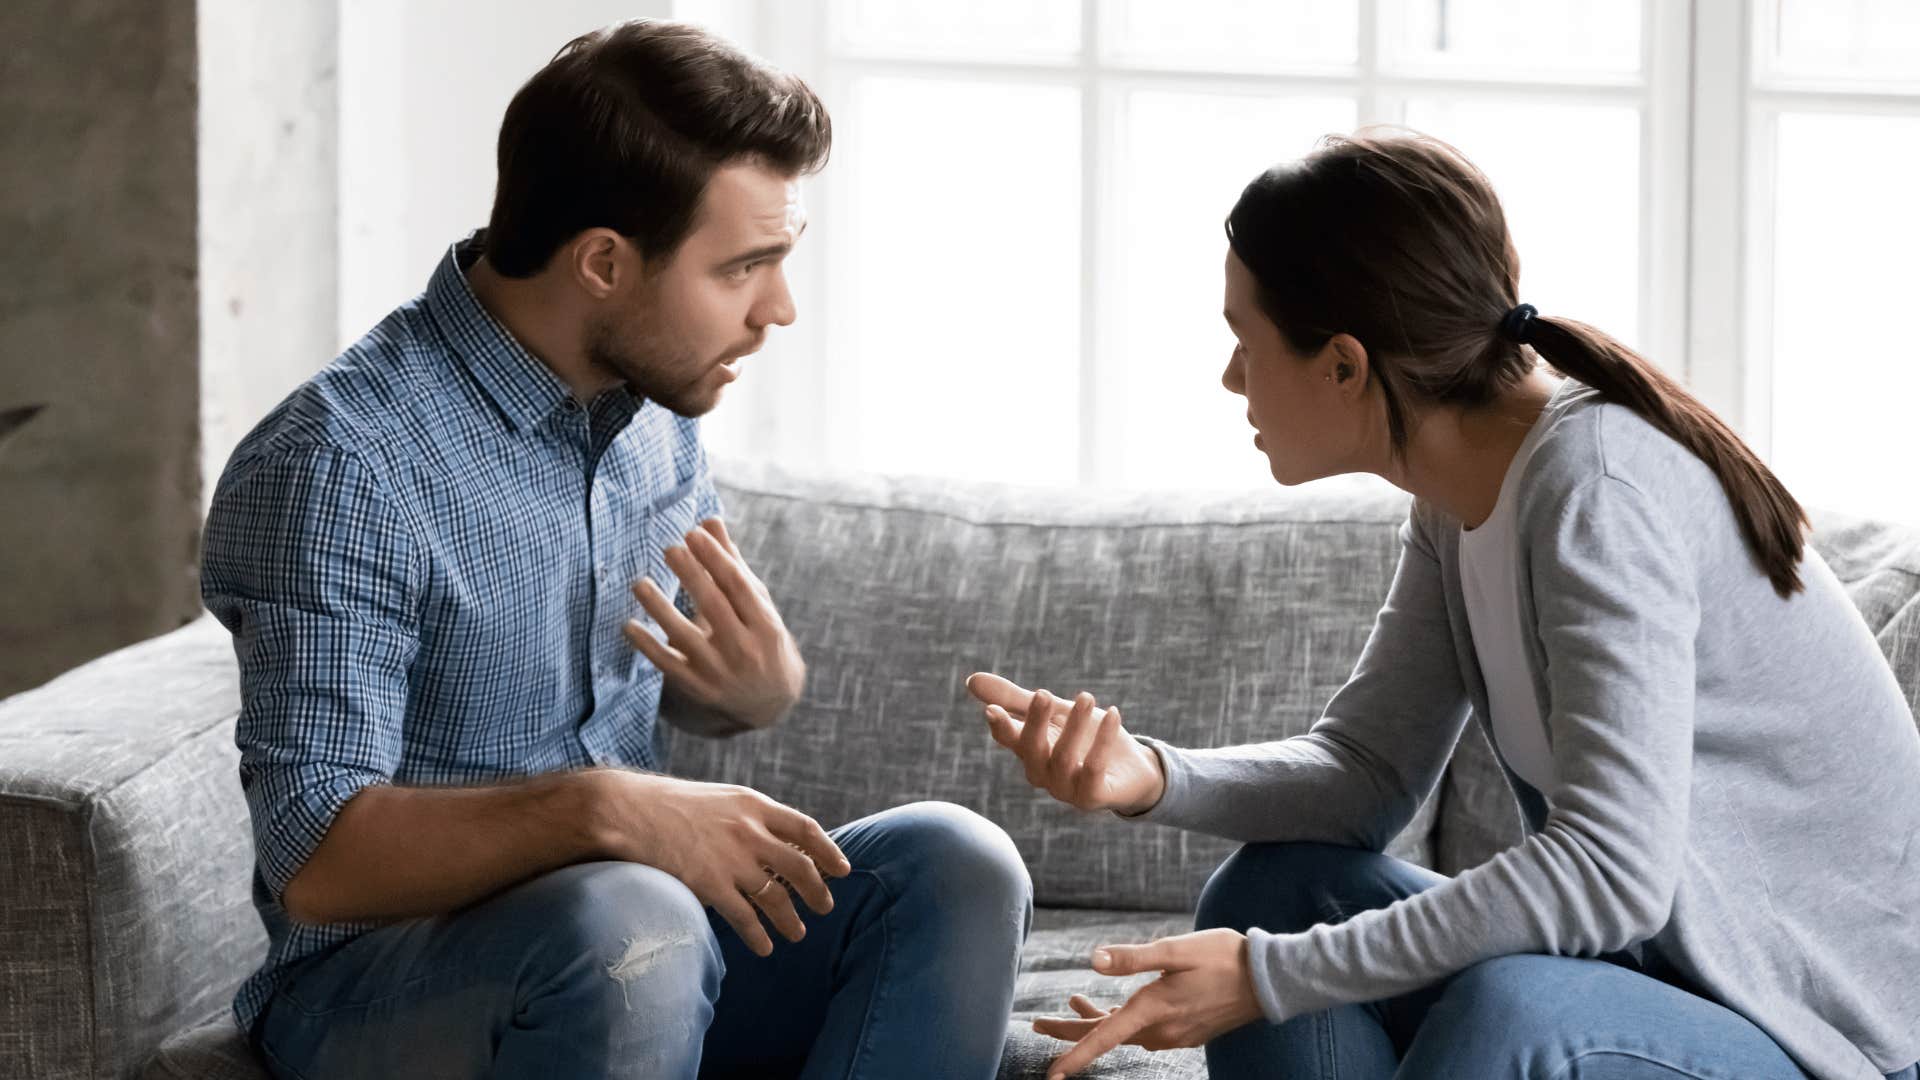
(423, 85)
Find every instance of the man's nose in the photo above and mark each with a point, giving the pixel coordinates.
(776, 309)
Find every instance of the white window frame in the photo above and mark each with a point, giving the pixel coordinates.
(1706, 189)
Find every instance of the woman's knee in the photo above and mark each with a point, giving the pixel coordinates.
(1289, 887)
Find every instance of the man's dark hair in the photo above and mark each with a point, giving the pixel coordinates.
(623, 129)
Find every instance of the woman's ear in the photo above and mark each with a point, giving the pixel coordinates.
(1345, 361)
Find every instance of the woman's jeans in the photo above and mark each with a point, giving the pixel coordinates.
(614, 970)
(1514, 1018)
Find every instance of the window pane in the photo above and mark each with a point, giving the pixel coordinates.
(1182, 160)
(1568, 177)
(1844, 388)
(1506, 38)
(978, 29)
(955, 310)
(1848, 39)
(1231, 34)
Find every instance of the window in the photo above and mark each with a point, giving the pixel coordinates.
(1016, 267)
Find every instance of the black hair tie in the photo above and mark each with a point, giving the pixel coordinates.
(1517, 327)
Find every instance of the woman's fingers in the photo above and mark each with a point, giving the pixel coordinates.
(1106, 743)
(1004, 728)
(1071, 748)
(1120, 1026)
(1035, 742)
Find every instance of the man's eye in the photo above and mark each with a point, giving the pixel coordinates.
(741, 273)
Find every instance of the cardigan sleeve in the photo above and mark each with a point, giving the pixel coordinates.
(1359, 774)
(1617, 616)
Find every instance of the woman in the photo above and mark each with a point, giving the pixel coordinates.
(1720, 775)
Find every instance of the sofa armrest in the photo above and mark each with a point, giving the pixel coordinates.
(124, 857)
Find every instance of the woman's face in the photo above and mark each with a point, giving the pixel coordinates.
(1301, 406)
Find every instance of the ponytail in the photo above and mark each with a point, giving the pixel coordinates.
(1771, 521)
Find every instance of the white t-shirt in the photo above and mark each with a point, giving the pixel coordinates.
(1489, 581)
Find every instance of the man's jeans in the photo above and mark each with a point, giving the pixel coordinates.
(1545, 1017)
(616, 970)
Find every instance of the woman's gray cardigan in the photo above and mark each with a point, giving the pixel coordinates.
(1738, 776)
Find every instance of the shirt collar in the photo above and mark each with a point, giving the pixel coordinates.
(523, 388)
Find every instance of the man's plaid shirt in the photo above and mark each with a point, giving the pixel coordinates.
(424, 555)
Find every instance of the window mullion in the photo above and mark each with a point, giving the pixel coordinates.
(1722, 361)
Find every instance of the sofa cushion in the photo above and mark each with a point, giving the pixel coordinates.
(1211, 619)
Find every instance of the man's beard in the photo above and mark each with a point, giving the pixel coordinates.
(654, 369)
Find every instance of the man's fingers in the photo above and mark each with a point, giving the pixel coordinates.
(673, 663)
(802, 876)
(729, 576)
(1119, 1027)
(681, 633)
(805, 833)
(708, 598)
(741, 915)
(718, 529)
(771, 896)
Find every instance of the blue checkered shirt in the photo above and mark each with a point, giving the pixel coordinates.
(423, 555)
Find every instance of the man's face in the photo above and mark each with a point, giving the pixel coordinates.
(676, 333)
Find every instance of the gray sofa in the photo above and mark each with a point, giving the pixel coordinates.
(1213, 619)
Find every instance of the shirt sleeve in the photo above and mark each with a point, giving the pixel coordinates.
(310, 568)
(1361, 772)
(1617, 614)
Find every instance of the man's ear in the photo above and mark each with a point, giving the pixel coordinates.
(600, 260)
(1346, 362)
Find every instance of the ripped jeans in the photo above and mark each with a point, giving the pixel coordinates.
(615, 970)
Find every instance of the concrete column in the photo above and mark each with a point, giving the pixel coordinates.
(99, 495)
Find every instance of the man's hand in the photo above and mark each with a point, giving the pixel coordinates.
(1206, 991)
(736, 655)
(733, 847)
(1078, 752)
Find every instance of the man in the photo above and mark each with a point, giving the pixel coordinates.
(466, 862)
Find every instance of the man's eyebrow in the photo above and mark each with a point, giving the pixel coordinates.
(766, 251)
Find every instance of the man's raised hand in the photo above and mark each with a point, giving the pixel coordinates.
(735, 655)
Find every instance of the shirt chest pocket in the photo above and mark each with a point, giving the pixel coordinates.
(665, 523)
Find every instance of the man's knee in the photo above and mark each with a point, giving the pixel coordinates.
(955, 853)
(1287, 888)
(626, 936)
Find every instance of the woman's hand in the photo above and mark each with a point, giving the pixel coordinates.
(1079, 753)
(1205, 991)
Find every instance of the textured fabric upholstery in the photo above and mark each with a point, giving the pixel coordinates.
(124, 859)
(1210, 620)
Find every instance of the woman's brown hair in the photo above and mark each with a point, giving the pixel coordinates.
(1397, 240)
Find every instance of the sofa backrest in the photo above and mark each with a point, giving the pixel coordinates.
(1210, 619)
